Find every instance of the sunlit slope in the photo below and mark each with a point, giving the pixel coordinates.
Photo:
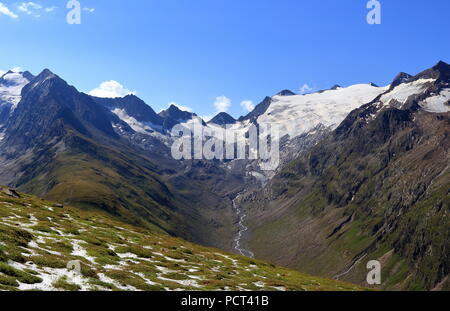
(39, 238)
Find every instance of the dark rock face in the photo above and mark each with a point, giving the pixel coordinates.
(175, 113)
(440, 71)
(4, 113)
(134, 107)
(28, 75)
(173, 116)
(49, 107)
(401, 78)
(222, 118)
(286, 93)
(335, 87)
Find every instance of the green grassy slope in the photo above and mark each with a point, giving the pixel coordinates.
(39, 238)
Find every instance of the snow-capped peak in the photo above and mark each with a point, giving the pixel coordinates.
(401, 78)
(11, 85)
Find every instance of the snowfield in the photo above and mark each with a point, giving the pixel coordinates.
(439, 103)
(299, 114)
(402, 92)
(11, 88)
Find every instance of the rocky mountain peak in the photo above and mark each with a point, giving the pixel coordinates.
(286, 93)
(12, 78)
(401, 78)
(46, 73)
(174, 109)
(176, 113)
(222, 118)
(48, 82)
(28, 75)
(335, 87)
(440, 71)
(11, 85)
(133, 106)
(173, 116)
(443, 69)
(259, 110)
(441, 65)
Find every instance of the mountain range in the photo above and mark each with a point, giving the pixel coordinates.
(363, 172)
(375, 188)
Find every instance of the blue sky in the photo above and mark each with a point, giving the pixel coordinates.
(191, 52)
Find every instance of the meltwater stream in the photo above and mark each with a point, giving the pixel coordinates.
(242, 229)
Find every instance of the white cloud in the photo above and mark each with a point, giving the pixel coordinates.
(6, 11)
(2, 72)
(305, 89)
(90, 10)
(111, 89)
(29, 7)
(50, 9)
(181, 107)
(247, 105)
(222, 104)
(34, 9)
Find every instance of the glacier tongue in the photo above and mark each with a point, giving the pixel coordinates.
(438, 103)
